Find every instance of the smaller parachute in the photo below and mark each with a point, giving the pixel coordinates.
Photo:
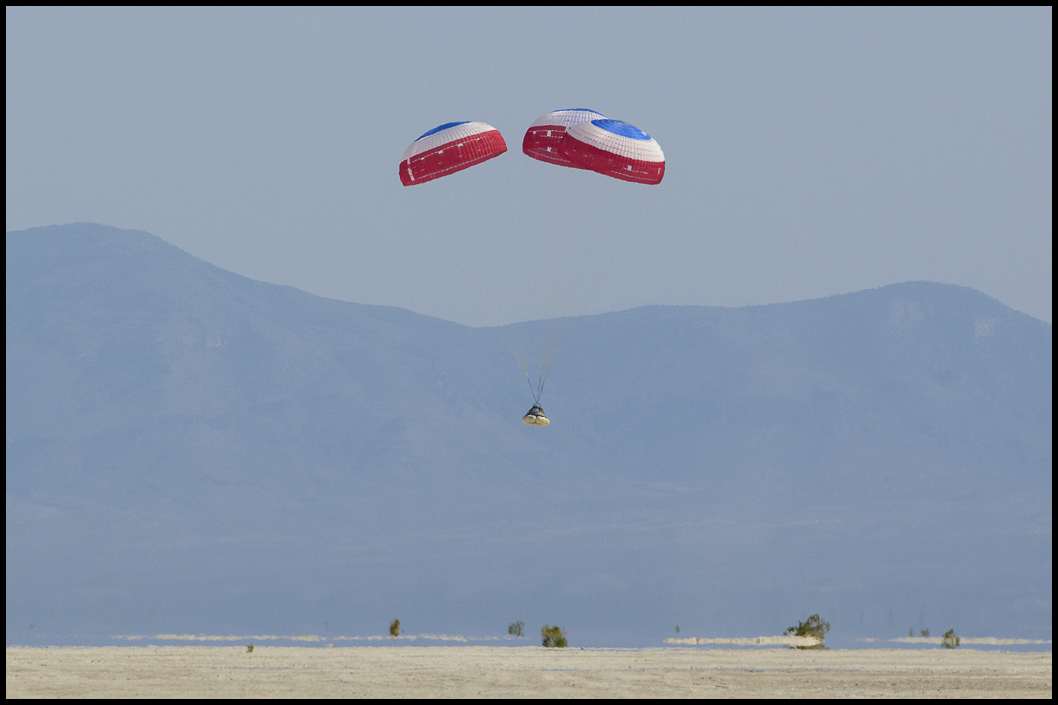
(535, 417)
(544, 136)
(449, 148)
(614, 148)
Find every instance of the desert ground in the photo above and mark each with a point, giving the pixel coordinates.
(525, 671)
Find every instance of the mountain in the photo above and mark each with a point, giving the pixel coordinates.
(189, 450)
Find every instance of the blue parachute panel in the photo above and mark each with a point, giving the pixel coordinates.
(442, 127)
(622, 128)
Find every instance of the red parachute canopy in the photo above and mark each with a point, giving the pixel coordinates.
(544, 137)
(449, 148)
(614, 148)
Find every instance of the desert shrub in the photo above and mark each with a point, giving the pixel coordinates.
(554, 636)
(813, 626)
(923, 632)
(249, 649)
(394, 628)
(950, 640)
(516, 628)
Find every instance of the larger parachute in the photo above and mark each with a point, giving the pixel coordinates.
(449, 148)
(615, 148)
(584, 139)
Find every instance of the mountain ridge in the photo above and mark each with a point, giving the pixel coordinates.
(156, 402)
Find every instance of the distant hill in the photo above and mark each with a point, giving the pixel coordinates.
(189, 450)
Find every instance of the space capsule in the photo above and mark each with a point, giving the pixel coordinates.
(535, 417)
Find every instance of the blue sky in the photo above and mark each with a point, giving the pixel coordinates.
(808, 152)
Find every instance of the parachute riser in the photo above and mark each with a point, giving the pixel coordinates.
(538, 391)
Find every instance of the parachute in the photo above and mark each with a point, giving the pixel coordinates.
(584, 139)
(449, 148)
(544, 137)
(577, 138)
(535, 417)
(614, 148)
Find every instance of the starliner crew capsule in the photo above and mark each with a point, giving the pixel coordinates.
(535, 417)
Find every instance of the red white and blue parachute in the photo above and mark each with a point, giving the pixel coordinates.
(614, 148)
(543, 138)
(584, 139)
(449, 148)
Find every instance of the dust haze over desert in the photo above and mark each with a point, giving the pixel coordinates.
(258, 391)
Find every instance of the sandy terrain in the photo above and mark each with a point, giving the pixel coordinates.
(526, 671)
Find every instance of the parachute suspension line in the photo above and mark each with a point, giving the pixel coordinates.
(523, 362)
(536, 395)
(545, 367)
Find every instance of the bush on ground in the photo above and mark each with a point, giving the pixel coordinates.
(814, 626)
(554, 636)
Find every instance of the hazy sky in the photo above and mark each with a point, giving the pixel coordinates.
(808, 152)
